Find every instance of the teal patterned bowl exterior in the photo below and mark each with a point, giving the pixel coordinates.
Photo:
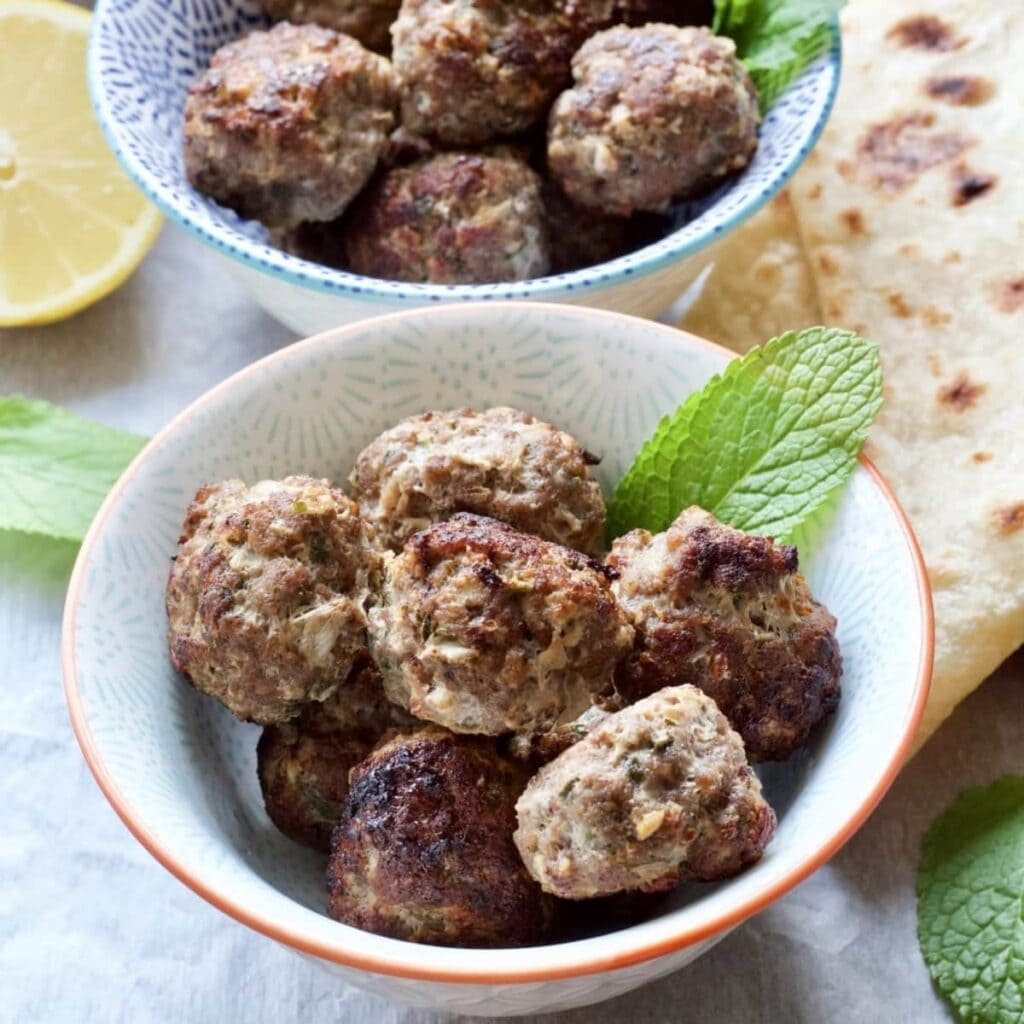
(181, 771)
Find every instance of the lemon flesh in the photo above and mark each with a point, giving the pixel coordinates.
(72, 226)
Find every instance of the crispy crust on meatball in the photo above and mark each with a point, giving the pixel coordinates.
(501, 463)
(369, 21)
(303, 765)
(657, 113)
(729, 613)
(472, 70)
(267, 596)
(424, 851)
(288, 125)
(455, 218)
(657, 793)
(483, 629)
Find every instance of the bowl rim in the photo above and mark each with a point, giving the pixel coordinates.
(341, 952)
(314, 277)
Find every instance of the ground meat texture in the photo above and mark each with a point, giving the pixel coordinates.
(728, 612)
(657, 793)
(454, 218)
(538, 748)
(472, 70)
(288, 125)
(670, 12)
(268, 593)
(501, 463)
(424, 851)
(657, 113)
(369, 21)
(303, 765)
(483, 629)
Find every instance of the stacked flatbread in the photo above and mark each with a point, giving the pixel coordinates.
(907, 225)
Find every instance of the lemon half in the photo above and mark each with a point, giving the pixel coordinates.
(72, 226)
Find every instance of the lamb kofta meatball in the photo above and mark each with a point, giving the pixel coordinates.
(657, 793)
(483, 629)
(657, 113)
(729, 613)
(424, 850)
(455, 218)
(473, 70)
(501, 463)
(288, 125)
(268, 593)
(303, 764)
(369, 21)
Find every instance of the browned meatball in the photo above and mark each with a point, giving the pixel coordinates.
(455, 218)
(303, 765)
(483, 629)
(267, 595)
(729, 612)
(369, 21)
(288, 125)
(501, 463)
(656, 793)
(424, 851)
(472, 70)
(668, 12)
(656, 113)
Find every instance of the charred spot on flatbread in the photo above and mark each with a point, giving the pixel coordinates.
(981, 456)
(961, 393)
(969, 185)
(1009, 518)
(1010, 295)
(960, 90)
(854, 221)
(925, 32)
(898, 305)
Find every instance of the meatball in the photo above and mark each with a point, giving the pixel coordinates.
(369, 21)
(728, 612)
(268, 593)
(500, 463)
(303, 765)
(472, 70)
(288, 125)
(424, 850)
(454, 218)
(483, 629)
(671, 12)
(657, 793)
(540, 747)
(657, 113)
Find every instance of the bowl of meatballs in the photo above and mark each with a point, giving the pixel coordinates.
(358, 157)
(351, 652)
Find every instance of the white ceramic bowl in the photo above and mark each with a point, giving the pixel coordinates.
(143, 54)
(181, 771)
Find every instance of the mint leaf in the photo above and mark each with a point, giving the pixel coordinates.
(970, 902)
(56, 467)
(776, 39)
(762, 445)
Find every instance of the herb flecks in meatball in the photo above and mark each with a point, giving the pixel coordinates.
(303, 764)
(501, 463)
(287, 125)
(454, 218)
(655, 794)
(369, 21)
(729, 613)
(656, 113)
(267, 596)
(424, 851)
(483, 629)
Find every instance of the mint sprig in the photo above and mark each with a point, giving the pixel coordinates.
(970, 903)
(56, 468)
(762, 445)
(776, 39)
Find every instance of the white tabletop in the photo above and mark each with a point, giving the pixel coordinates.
(92, 929)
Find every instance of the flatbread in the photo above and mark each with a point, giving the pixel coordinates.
(911, 217)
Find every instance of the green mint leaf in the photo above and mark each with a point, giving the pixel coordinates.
(776, 39)
(762, 445)
(970, 903)
(56, 467)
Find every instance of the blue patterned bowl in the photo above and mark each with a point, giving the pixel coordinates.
(143, 54)
(181, 771)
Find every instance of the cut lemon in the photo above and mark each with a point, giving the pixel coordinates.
(72, 226)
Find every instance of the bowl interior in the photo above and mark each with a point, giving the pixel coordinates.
(144, 54)
(181, 770)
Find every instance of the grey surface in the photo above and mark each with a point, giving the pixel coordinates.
(92, 929)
